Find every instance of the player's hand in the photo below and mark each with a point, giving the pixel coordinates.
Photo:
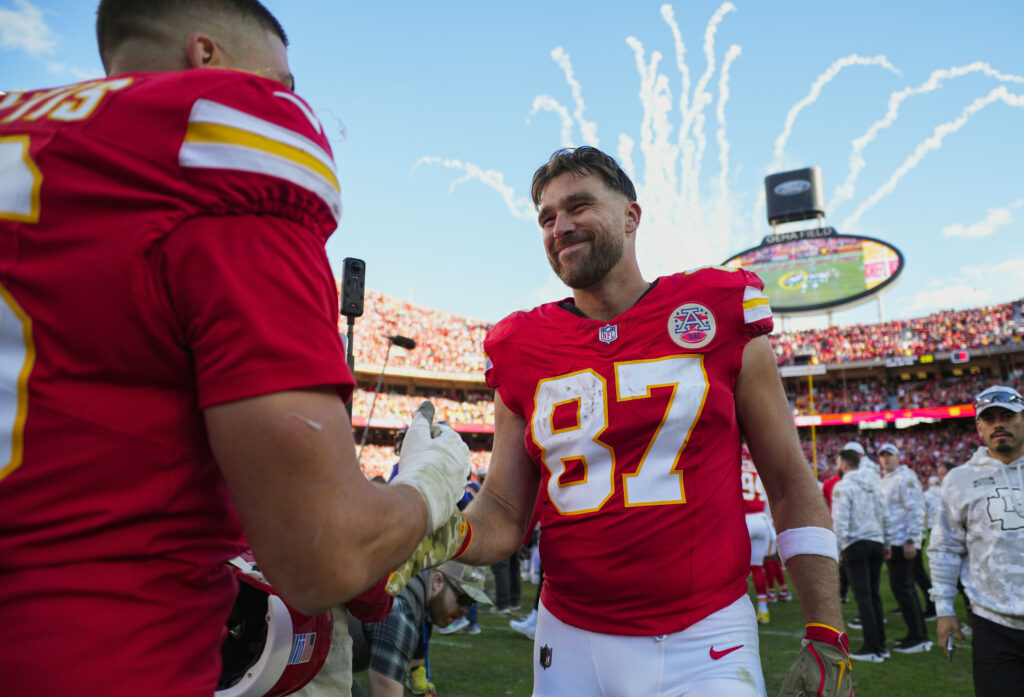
(945, 626)
(447, 542)
(909, 550)
(435, 462)
(822, 669)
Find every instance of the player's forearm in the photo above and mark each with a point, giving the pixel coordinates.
(365, 533)
(320, 531)
(797, 503)
(816, 580)
(498, 530)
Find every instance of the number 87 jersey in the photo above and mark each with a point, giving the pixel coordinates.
(632, 425)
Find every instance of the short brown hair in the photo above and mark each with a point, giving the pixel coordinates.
(118, 20)
(582, 161)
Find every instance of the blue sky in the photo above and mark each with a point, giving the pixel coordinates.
(442, 111)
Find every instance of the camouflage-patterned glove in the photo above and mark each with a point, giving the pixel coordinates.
(822, 669)
(447, 542)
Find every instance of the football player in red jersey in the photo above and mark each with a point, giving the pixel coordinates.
(624, 405)
(759, 528)
(173, 374)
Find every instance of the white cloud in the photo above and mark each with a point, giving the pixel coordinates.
(24, 29)
(952, 296)
(996, 218)
(979, 284)
(1011, 268)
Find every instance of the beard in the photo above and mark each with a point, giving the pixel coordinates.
(605, 252)
(1004, 446)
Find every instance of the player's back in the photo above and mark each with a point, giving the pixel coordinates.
(115, 518)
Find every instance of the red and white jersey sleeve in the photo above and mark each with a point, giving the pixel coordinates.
(161, 250)
(632, 426)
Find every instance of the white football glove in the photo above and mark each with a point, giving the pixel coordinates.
(435, 462)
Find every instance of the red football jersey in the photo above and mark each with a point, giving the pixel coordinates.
(161, 251)
(754, 496)
(632, 425)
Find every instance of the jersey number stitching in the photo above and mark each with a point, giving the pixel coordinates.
(653, 483)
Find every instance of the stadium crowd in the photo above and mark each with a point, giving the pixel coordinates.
(469, 408)
(452, 343)
(444, 342)
(923, 447)
(989, 325)
(874, 394)
(377, 460)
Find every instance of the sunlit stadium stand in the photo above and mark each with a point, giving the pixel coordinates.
(910, 382)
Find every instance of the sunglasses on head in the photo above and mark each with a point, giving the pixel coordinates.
(998, 398)
(461, 597)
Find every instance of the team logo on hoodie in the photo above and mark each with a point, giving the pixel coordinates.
(1001, 509)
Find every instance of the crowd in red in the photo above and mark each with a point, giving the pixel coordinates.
(922, 448)
(378, 460)
(877, 395)
(454, 344)
(444, 342)
(989, 325)
(856, 395)
(470, 408)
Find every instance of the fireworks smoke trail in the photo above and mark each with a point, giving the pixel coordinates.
(846, 190)
(812, 96)
(690, 215)
(702, 99)
(723, 143)
(546, 103)
(519, 207)
(932, 143)
(588, 129)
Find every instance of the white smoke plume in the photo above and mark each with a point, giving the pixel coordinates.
(932, 143)
(588, 129)
(689, 212)
(518, 206)
(812, 96)
(546, 103)
(723, 143)
(847, 189)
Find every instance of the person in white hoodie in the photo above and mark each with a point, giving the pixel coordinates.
(861, 525)
(980, 529)
(904, 502)
(866, 463)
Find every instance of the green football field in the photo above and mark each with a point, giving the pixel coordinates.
(801, 282)
(499, 663)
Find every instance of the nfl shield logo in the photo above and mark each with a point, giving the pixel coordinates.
(545, 657)
(608, 333)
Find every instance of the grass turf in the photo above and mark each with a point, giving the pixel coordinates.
(497, 662)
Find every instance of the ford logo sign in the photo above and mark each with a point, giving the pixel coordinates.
(792, 187)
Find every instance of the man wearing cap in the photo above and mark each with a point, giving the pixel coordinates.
(866, 463)
(442, 595)
(980, 529)
(861, 525)
(904, 502)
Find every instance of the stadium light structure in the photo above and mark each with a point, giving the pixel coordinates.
(396, 340)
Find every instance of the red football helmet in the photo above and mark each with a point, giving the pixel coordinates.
(271, 650)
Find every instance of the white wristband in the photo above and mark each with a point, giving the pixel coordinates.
(809, 540)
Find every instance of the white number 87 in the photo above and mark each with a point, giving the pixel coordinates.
(657, 481)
